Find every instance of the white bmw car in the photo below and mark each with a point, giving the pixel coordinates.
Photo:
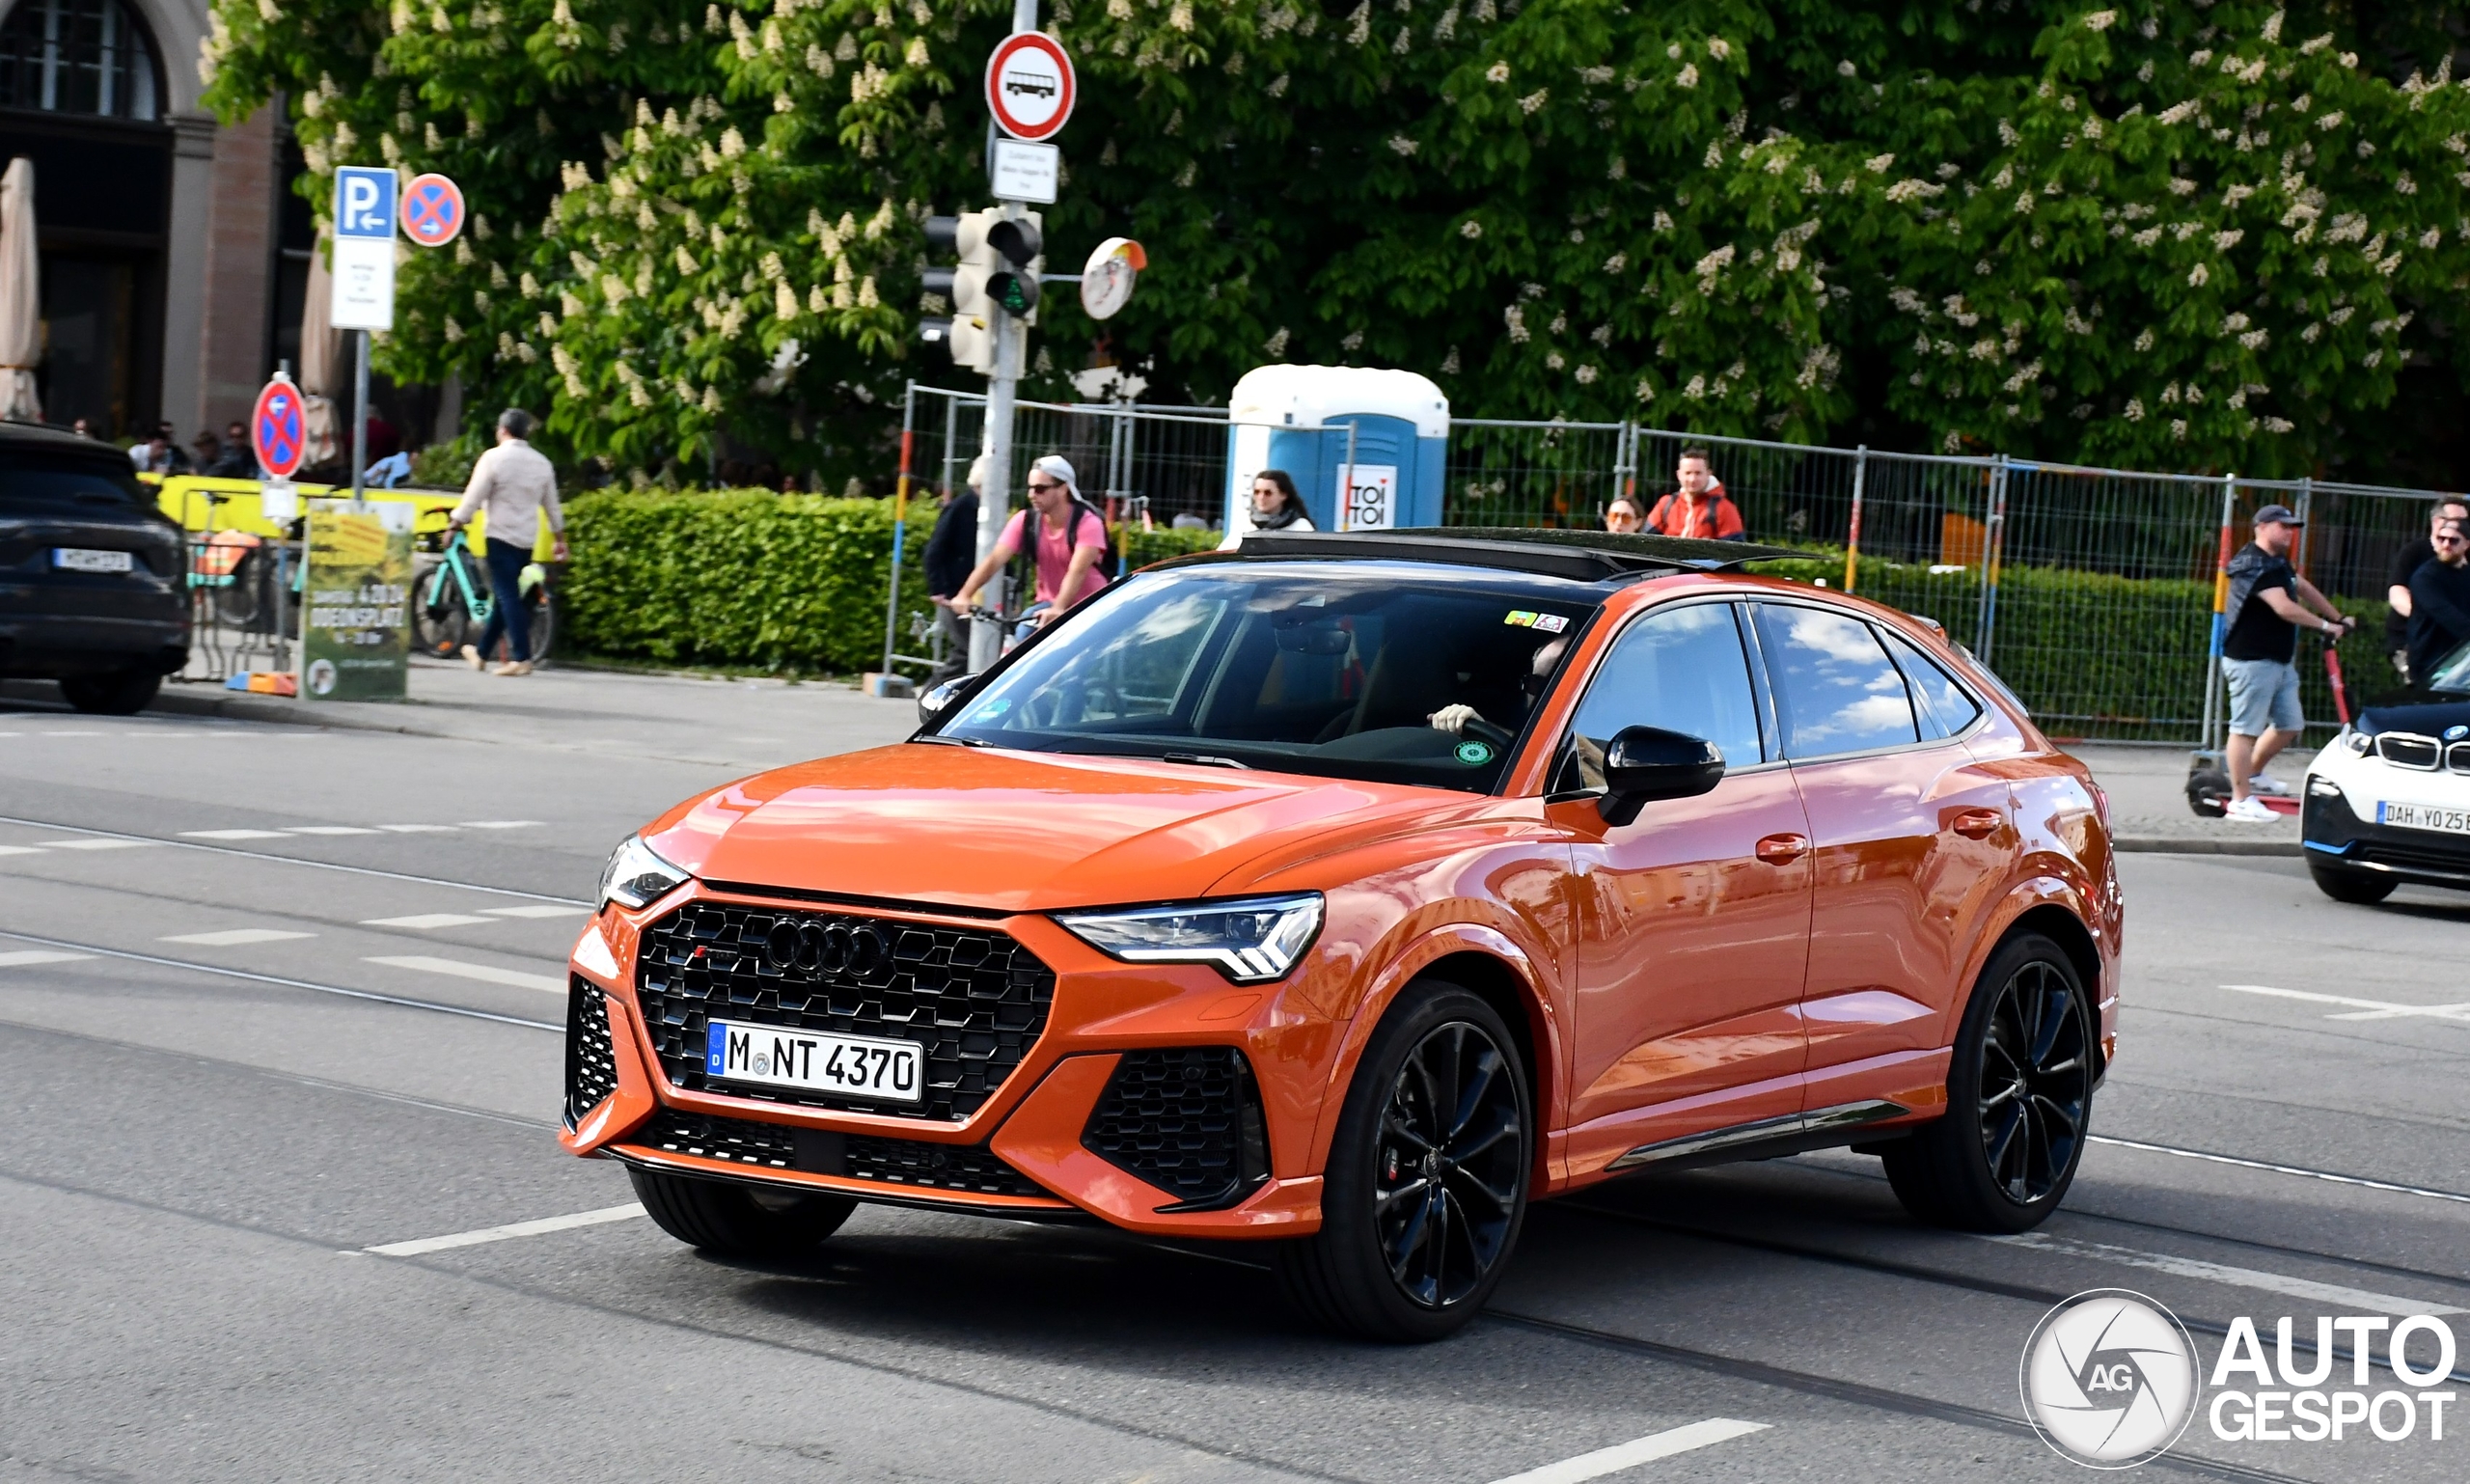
(2389, 801)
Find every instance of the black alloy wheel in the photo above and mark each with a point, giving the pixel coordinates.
(125, 694)
(1427, 1181)
(2342, 884)
(2019, 1100)
(1446, 1189)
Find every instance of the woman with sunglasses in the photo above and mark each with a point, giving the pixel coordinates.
(1275, 507)
(1071, 543)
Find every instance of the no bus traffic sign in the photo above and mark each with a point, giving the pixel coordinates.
(1029, 86)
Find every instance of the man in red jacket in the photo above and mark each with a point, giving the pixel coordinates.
(1701, 508)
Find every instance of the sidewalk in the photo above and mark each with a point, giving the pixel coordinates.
(2148, 809)
(745, 724)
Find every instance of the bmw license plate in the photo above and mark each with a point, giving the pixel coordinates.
(82, 559)
(2424, 816)
(815, 1061)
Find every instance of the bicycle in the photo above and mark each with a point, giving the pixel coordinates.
(453, 601)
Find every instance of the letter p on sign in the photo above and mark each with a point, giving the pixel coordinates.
(363, 203)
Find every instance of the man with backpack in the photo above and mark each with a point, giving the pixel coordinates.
(1071, 544)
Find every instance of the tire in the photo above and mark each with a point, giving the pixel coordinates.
(738, 1220)
(125, 694)
(2350, 886)
(1385, 1267)
(2019, 1100)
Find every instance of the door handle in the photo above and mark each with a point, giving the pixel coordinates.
(1978, 823)
(1783, 849)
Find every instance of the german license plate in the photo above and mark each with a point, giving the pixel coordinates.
(2424, 816)
(815, 1061)
(83, 559)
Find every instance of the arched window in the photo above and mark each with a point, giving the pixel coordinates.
(79, 56)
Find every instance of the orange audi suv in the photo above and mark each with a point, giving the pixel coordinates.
(1346, 893)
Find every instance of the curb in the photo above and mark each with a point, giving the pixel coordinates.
(185, 700)
(2163, 844)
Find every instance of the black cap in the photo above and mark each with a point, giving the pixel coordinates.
(2278, 515)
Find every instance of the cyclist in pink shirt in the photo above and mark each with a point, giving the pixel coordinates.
(1071, 544)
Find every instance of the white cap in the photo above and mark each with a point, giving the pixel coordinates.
(1055, 466)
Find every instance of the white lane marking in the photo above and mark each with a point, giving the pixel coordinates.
(38, 957)
(426, 921)
(1644, 1450)
(486, 973)
(501, 824)
(113, 843)
(232, 834)
(2351, 1299)
(75, 733)
(540, 1227)
(293, 860)
(331, 829)
(538, 910)
(418, 829)
(2382, 1009)
(22, 850)
(233, 937)
(2279, 1169)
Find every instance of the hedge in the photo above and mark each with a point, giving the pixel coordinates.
(796, 582)
(753, 577)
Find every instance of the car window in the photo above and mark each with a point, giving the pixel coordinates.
(1393, 671)
(32, 479)
(1681, 669)
(1835, 689)
(1945, 708)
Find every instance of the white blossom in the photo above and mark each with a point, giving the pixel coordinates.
(1687, 76)
(2134, 409)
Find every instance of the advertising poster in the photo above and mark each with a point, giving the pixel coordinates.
(356, 624)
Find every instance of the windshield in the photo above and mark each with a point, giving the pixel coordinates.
(1394, 672)
(2452, 673)
(32, 478)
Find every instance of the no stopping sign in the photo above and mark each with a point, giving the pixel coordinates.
(1029, 86)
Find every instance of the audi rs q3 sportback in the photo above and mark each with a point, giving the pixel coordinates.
(1346, 893)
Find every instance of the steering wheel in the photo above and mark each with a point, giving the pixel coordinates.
(1482, 731)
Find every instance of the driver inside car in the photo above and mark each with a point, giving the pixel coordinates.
(1458, 719)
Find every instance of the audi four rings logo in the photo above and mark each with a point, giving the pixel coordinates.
(820, 948)
(2109, 1379)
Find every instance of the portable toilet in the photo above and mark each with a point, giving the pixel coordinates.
(1366, 448)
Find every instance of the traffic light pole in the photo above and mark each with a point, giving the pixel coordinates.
(1002, 387)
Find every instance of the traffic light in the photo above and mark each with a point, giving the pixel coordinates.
(998, 270)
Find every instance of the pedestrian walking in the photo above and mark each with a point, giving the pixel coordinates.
(2406, 563)
(952, 550)
(1275, 507)
(2268, 600)
(1621, 517)
(1700, 508)
(2440, 600)
(512, 487)
(1071, 541)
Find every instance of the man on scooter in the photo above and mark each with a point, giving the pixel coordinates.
(2259, 655)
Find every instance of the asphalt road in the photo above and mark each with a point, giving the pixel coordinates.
(272, 997)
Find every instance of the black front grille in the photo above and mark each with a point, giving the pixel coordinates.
(974, 999)
(823, 1152)
(591, 1060)
(2457, 756)
(2405, 750)
(1186, 1121)
(2450, 863)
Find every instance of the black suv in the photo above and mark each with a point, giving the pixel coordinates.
(93, 593)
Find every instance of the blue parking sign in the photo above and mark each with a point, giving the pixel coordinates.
(364, 202)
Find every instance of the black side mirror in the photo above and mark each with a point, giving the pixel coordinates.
(938, 699)
(1648, 763)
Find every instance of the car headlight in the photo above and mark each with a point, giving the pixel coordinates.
(1251, 941)
(636, 876)
(2358, 742)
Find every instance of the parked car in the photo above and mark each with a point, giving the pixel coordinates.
(1348, 893)
(94, 591)
(2388, 801)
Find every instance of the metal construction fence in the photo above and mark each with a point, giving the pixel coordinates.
(2093, 591)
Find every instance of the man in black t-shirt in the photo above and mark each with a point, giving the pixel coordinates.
(2440, 600)
(2412, 556)
(2258, 654)
(951, 551)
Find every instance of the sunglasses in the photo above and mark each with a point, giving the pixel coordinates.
(1036, 485)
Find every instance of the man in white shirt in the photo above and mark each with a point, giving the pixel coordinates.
(512, 487)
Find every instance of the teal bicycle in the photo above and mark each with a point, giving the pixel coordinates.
(453, 602)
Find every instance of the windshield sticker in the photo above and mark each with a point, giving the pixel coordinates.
(1529, 619)
(1520, 619)
(1474, 754)
(1551, 622)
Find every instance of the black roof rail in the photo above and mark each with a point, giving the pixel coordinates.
(1584, 556)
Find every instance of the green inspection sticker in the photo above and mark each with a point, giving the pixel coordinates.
(1474, 754)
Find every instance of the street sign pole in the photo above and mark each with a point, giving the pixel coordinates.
(1003, 390)
(360, 416)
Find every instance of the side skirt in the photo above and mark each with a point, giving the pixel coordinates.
(1764, 1139)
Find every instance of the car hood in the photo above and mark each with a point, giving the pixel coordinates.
(1017, 831)
(2430, 718)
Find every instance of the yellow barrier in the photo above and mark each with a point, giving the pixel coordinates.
(207, 506)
